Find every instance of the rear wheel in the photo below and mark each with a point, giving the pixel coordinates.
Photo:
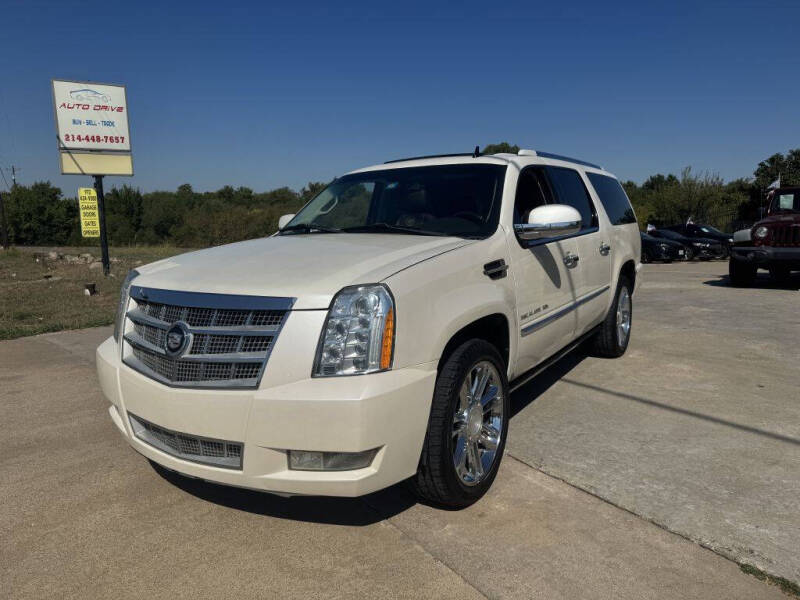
(741, 273)
(615, 332)
(467, 427)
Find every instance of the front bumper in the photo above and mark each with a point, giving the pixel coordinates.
(764, 255)
(387, 410)
(669, 254)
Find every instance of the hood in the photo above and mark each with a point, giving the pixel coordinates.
(309, 267)
(780, 219)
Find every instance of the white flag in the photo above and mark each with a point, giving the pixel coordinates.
(775, 184)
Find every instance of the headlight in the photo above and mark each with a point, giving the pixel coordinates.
(664, 247)
(358, 336)
(123, 302)
(760, 232)
(700, 244)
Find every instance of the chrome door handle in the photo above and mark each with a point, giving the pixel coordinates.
(571, 260)
(604, 248)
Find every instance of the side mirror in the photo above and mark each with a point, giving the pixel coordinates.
(284, 221)
(550, 221)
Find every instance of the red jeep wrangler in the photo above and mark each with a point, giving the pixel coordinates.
(773, 243)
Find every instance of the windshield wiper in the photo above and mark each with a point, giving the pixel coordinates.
(310, 228)
(377, 227)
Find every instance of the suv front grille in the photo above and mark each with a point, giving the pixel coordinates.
(218, 453)
(785, 235)
(230, 337)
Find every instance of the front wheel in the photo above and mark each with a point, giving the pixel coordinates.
(615, 332)
(467, 427)
(741, 274)
(780, 273)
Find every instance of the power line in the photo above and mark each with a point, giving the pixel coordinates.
(4, 179)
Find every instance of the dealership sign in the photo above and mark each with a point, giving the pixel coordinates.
(92, 128)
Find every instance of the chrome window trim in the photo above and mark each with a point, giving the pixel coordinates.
(560, 312)
(541, 241)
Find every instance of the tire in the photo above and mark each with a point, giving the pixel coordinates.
(726, 252)
(741, 273)
(645, 256)
(689, 254)
(452, 429)
(612, 339)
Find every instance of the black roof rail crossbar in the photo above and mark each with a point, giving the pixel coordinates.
(430, 156)
(567, 159)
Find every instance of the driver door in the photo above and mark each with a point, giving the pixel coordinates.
(545, 284)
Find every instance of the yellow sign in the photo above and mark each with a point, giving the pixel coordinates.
(90, 220)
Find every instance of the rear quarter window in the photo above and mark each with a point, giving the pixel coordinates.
(613, 197)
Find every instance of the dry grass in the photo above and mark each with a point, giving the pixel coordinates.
(48, 295)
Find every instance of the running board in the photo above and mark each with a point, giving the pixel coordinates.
(549, 362)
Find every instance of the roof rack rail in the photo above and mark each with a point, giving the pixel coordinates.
(577, 161)
(430, 156)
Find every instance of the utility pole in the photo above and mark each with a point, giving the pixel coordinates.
(14, 169)
(3, 224)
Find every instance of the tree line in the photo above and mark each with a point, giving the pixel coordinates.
(40, 215)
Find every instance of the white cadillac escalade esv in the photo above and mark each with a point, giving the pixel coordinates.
(378, 335)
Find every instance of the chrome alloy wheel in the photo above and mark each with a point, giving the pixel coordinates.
(477, 423)
(623, 316)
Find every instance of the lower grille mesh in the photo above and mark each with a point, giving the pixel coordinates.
(180, 371)
(219, 453)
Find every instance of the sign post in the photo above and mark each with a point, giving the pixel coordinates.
(101, 215)
(93, 137)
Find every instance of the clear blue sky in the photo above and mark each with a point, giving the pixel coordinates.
(247, 94)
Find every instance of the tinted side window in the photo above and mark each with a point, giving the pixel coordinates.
(570, 190)
(615, 201)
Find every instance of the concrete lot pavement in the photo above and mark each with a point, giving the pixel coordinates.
(697, 427)
(82, 515)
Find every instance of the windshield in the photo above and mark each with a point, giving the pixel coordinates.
(785, 202)
(453, 200)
